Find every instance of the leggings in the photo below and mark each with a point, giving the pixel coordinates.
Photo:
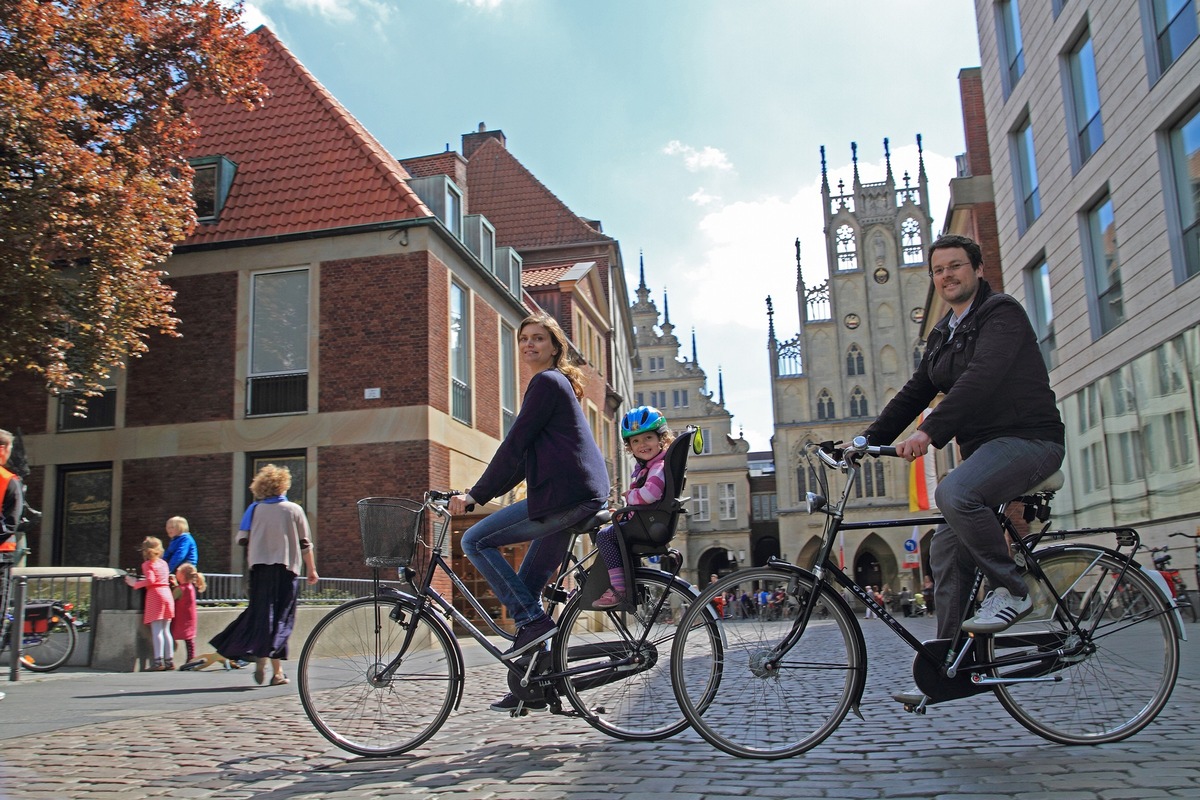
(160, 637)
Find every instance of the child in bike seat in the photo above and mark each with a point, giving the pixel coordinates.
(647, 437)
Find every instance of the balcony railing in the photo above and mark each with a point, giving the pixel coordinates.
(460, 401)
(277, 394)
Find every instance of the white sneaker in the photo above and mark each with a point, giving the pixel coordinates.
(998, 611)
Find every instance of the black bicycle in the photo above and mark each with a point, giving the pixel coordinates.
(380, 675)
(1095, 660)
(48, 632)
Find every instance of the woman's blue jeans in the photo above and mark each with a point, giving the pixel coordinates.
(999, 471)
(521, 591)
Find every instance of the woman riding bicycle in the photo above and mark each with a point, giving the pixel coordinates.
(551, 448)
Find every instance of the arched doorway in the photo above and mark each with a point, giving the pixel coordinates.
(867, 571)
(714, 561)
(763, 548)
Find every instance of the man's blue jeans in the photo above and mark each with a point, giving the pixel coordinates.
(521, 591)
(999, 471)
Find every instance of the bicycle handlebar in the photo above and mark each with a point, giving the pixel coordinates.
(840, 457)
(1186, 535)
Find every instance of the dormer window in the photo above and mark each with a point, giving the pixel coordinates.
(210, 186)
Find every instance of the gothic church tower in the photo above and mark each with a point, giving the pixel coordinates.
(858, 343)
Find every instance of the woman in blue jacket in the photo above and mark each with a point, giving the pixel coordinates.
(551, 448)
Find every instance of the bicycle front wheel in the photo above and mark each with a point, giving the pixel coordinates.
(1107, 685)
(628, 693)
(746, 697)
(47, 650)
(352, 693)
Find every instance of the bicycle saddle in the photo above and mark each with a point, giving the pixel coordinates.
(1050, 484)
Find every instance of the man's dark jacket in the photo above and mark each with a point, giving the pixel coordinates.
(993, 377)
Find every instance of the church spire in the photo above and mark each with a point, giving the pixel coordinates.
(720, 386)
(824, 174)
(694, 359)
(770, 321)
(666, 326)
(854, 158)
(887, 157)
(641, 269)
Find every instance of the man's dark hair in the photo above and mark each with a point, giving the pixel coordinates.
(955, 240)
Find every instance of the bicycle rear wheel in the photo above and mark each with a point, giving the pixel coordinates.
(632, 701)
(46, 651)
(1108, 686)
(746, 700)
(343, 686)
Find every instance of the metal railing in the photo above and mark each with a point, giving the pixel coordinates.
(223, 589)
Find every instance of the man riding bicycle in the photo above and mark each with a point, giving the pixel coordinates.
(998, 405)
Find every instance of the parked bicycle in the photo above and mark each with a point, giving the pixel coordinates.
(49, 630)
(380, 675)
(1175, 580)
(1088, 665)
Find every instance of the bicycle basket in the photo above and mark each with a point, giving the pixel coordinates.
(391, 530)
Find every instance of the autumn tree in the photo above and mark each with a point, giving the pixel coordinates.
(94, 190)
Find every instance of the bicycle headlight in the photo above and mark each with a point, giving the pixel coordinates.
(814, 501)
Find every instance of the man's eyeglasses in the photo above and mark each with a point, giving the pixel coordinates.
(954, 266)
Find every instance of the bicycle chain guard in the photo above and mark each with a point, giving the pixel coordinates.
(934, 684)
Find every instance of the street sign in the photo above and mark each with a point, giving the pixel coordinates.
(912, 554)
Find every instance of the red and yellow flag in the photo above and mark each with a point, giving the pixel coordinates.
(922, 478)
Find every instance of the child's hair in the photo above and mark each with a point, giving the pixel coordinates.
(178, 523)
(187, 573)
(152, 547)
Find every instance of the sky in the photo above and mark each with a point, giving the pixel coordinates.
(690, 128)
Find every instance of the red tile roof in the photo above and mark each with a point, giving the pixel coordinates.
(543, 276)
(303, 162)
(524, 211)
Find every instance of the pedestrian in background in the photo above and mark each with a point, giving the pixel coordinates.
(188, 583)
(160, 605)
(275, 532)
(181, 545)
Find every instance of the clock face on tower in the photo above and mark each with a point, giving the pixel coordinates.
(881, 275)
(917, 315)
(852, 321)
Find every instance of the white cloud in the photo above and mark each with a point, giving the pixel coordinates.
(702, 198)
(695, 160)
(253, 16)
(486, 5)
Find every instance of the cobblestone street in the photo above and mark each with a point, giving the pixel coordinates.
(85, 734)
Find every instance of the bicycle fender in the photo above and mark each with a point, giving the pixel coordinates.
(1152, 574)
(832, 597)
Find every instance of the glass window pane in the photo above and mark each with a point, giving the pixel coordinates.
(1086, 93)
(1106, 266)
(279, 323)
(1185, 154)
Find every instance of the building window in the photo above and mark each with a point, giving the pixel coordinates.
(700, 511)
(1027, 175)
(680, 397)
(855, 364)
(277, 382)
(872, 483)
(706, 436)
(802, 482)
(212, 179)
(858, 403)
(1085, 98)
(98, 412)
(1185, 159)
(508, 377)
(764, 507)
(1013, 49)
(847, 256)
(454, 209)
(460, 355)
(1174, 29)
(1105, 266)
(825, 405)
(1042, 311)
(910, 242)
(728, 501)
(641, 399)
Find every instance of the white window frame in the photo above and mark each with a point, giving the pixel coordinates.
(727, 501)
(700, 508)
